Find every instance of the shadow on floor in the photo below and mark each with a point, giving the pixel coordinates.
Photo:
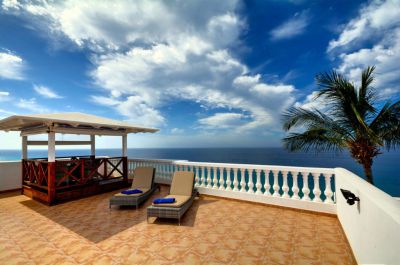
(92, 219)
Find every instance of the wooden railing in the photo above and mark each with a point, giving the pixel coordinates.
(65, 174)
(297, 187)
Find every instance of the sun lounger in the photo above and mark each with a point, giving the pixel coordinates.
(143, 180)
(182, 190)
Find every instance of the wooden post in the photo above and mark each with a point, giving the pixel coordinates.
(125, 168)
(92, 146)
(51, 167)
(124, 157)
(24, 157)
(124, 145)
(24, 147)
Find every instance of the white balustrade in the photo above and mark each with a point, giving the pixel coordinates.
(258, 183)
(316, 190)
(215, 180)
(250, 183)
(295, 187)
(210, 179)
(221, 179)
(305, 189)
(228, 179)
(235, 180)
(267, 186)
(243, 180)
(276, 184)
(285, 187)
(328, 190)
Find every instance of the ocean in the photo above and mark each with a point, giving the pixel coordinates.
(385, 169)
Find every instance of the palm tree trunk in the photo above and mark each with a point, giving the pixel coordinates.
(368, 172)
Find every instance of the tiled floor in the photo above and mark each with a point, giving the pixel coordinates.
(213, 231)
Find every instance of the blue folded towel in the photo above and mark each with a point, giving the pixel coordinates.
(164, 200)
(129, 192)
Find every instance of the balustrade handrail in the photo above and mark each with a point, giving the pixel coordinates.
(238, 166)
(260, 167)
(306, 188)
(155, 160)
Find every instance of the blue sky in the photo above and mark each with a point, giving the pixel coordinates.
(207, 73)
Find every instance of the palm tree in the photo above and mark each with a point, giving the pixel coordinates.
(350, 120)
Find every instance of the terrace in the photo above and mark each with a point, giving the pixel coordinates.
(246, 214)
(213, 231)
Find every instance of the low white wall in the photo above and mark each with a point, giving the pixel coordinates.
(372, 226)
(10, 175)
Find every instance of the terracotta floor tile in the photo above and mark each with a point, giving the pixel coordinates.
(213, 231)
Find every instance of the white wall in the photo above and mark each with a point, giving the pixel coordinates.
(10, 175)
(372, 226)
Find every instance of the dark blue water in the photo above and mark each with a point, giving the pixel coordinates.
(386, 166)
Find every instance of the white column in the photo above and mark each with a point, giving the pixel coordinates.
(285, 187)
(305, 189)
(221, 179)
(51, 149)
(203, 177)
(93, 145)
(208, 179)
(24, 147)
(328, 190)
(258, 184)
(276, 184)
(250, 184)
(295, 188)
(235, 180)
(267, 186)
(242, 180)
(125, 145)
(197, 183)
(228, 179)
(316, 191)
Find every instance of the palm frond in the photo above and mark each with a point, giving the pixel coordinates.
(314, 139)
(387, 125)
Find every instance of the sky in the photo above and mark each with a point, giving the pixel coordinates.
(206, 73)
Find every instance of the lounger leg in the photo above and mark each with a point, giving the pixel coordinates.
(179, 221)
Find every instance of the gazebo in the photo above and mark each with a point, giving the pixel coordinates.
(55, 179)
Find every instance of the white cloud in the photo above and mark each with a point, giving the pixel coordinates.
(223, 120)
(146, 54)
(46, 92)
(379, 24)
(11, 66)
(373, 18)
(31, 105)
(291, 28)
(4, 96)
(177, 131)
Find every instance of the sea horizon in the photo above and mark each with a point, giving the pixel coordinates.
(385, 165)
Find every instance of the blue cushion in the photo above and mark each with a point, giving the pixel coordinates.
(164, 200)
(128, 192)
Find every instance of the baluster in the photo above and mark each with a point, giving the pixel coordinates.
(276, 184)
(209, 178)
(221, 179)
(235, 180)
(267, 185)
(328, 190)
(243, 180)
(215, 179)
(285, 187)
(228, 179)
(305, 190)
(316, 191)
(197, 177)
(250, 184)
(295, 188)
(258, 184)
(203, 176)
